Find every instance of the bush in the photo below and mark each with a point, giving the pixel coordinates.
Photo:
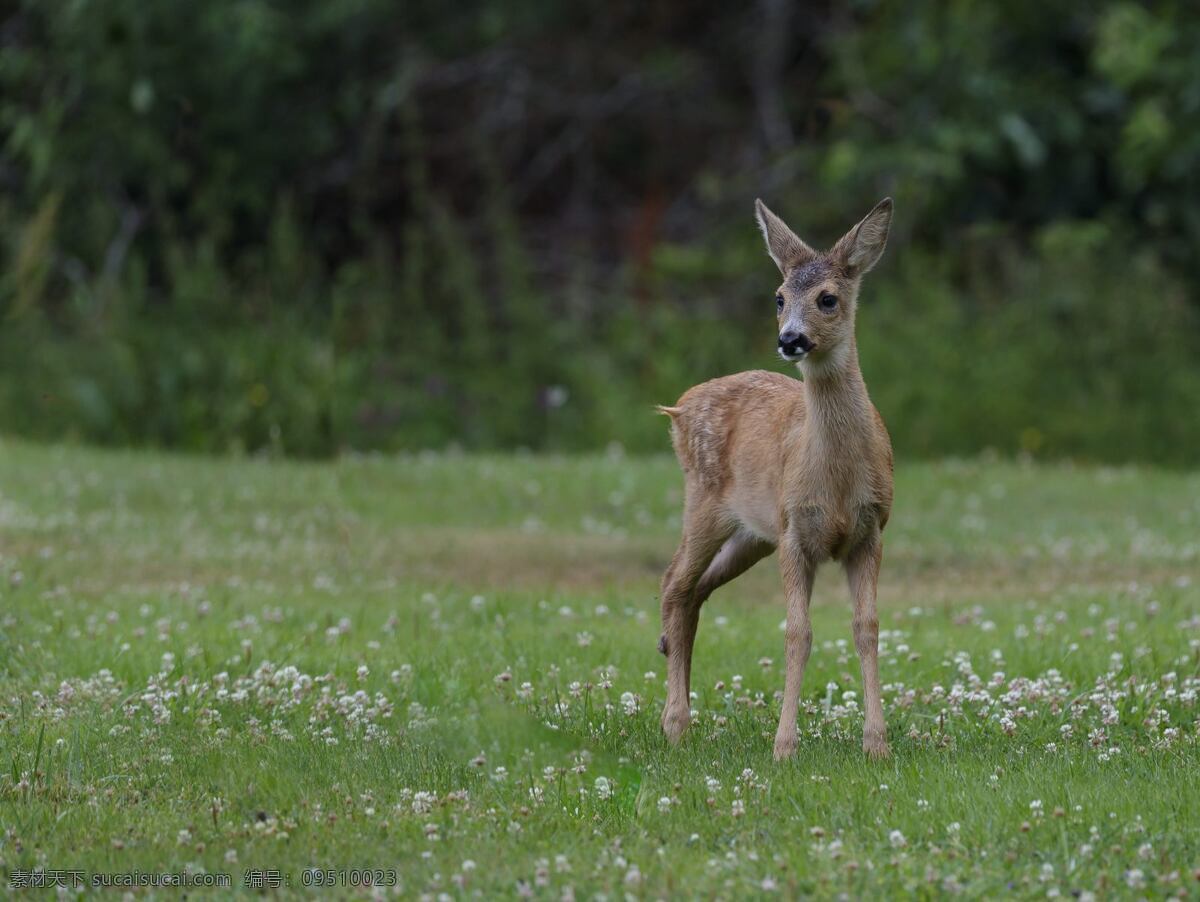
(306, 227)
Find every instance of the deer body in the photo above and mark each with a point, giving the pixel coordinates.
(772, 462)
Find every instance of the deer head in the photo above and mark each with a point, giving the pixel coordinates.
(816, 303)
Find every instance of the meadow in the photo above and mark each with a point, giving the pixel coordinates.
(441, 669)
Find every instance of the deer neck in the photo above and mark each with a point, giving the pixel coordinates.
(839, 417)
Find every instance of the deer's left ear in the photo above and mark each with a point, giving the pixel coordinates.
(861, 247)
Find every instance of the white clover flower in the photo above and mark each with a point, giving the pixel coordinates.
(603, 788)
(422, 802)
(896, 838)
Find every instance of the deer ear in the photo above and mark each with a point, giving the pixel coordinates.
(785, 248)
(861, 247)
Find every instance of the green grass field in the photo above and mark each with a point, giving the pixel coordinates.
(443, 668)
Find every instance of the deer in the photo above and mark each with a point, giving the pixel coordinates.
(799, 465)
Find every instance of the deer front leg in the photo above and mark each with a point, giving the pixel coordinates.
(862, 573)
(798, 572)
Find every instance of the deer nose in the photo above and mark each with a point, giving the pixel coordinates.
(791, 342)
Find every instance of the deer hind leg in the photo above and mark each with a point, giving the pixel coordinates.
(703, 535)
(666, 600)
(862, 573)
(741, 551)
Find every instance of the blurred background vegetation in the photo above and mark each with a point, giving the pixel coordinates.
(319, 225)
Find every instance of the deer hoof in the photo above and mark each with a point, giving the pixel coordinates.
(674, 723)
(876, 748)
(785, 746)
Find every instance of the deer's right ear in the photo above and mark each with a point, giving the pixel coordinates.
(787, 250)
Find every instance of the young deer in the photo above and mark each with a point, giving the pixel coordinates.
(772, 461)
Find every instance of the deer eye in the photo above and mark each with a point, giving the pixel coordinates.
(779, 302)
(827, 302)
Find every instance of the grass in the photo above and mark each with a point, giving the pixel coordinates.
(444, 668)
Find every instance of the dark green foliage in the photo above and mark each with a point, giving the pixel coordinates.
(311, 226)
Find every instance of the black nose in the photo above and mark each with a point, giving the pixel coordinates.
(791, 342)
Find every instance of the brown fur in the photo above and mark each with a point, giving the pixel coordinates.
(770, 461)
